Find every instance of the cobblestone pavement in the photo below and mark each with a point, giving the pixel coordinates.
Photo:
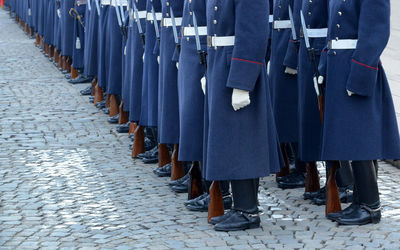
(67, 179)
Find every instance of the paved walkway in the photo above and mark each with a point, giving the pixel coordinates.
(67, 180)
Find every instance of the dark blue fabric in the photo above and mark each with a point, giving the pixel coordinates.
(91, 42)
(168, 107)
(79, 32)
(239, 144)
(57, 26)
(362, 126)
(67, 28)
(114, 51)
(283, 86)
(127, 61)
(149, 108)
(49, 26)
(102, 47)
(137, 66)
(191, 96)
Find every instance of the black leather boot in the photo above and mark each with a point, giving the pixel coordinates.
(148, 153)
(368, 210)
(347, 210)
(113, 119)
(164, 171)
(245, 212)
(179, 181)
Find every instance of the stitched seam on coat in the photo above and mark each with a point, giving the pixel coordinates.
(370, 67)
(243, 60)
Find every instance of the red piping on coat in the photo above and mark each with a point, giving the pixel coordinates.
(364, 65)
(243, 60)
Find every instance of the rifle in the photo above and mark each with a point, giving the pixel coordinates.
(163, 155)
(286, 168)
(153, 12)
(216, 205)
(177, 170)
(138, 141)
(332, 192)
(175, 31)
(196, 181)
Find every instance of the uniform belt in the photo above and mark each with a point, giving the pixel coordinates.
(119, 2)
(80, 2)
(220, 41)
(317, 33)
(149, 16)
(142, 14)
(189, 31)
(281, 24)
(271, 18)
(105, 2)
(343, 44)
(167, 21)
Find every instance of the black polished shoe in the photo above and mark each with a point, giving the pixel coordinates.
(150, 159)
(239, 221)
(222, 218)
(361, 215)
(181, 188)
(295, 181)
(113, 119)
(67, 75)
(200, 205)
(106, 111)
(179, 181)
(312, 195)
(227, 199)
(148, 153)
(81, 79)
(87, 91)
(345, 194)
(51, 59)
(101, 105)
(164, 171)
(148, 144)
(193, 201)
(123, 128)
(346, 211)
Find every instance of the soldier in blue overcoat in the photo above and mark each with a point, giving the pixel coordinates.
(101, 46)
(91, 55)
(359, 119)
(79, 36)
(149, 106)
(67, 28)
(168, 107)
(241, 143)
(137, 60)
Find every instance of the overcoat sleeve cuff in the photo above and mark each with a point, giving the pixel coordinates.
(362, 78)
(244, 73)
(322, 63)
(291, 56)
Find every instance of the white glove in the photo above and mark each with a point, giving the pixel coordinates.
(203, 84)
(349, 93)
(240, 99)
(290, 71)
(321, 80)
(177, 65)
(158, 59)
(143, 57)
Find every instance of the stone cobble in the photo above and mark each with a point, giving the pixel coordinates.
(67, 180)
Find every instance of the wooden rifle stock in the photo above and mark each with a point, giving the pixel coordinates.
(177, 170)
(286, 169)
(98, 97)
(312, 178)
(114, 108)
(138, 141)
(55, 57)
(51, 51)
(123, 115)
(332, 192)
(132, 127)
(163, 155)
(216, 205)
(195, 181)
(94, 83)
(74, 73)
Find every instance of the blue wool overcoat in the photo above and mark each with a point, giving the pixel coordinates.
(149, 107)
(315, 14)
(362, 126)
(283, 86)
(57, 26)
(91, 41)
(49, 19)
(102, 47)
(191, 96)
(114, 51)
(79, 31)
(67, 28)
(168, 107)
(136, 58)
(239, 144)
(127, 61)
